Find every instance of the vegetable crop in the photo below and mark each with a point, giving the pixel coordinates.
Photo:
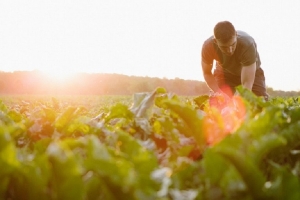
(158, 147)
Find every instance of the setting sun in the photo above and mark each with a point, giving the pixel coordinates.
(59, 75)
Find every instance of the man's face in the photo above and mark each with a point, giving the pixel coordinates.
(228, 47)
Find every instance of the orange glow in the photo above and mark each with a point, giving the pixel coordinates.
(59, 75)
(224, 116)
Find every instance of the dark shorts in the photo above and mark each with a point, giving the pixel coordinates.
(259, 86)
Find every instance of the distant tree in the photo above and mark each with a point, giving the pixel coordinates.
(200, 88)
(179, 86)
(104, 84)
(155, 83)
(2, 86)
(138, 85)
(281, 93)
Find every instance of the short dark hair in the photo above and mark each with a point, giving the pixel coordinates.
(224, 31)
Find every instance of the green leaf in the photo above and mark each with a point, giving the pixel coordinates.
(67, 171)
(201, 100)
(263, 123)
(15, 116)
(63, 119)
(214, 166)
(265, 145)
(119, 111)
(285, 185)
(8, 153)
(192, 121)
(292, 135)
(31, 180)
(249, 172)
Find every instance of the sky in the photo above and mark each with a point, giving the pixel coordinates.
(153, 38)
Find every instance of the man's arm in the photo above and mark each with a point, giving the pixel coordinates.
(209, 77)
(248, 76)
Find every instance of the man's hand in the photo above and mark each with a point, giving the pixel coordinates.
(220, 93)
(219, 99)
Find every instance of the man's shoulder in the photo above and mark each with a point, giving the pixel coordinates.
(209, 40)
(208, 52)
(208, 43)
(244, 38)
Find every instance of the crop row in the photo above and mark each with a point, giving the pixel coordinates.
(161, 147)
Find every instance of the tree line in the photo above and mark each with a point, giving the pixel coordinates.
(38, 83)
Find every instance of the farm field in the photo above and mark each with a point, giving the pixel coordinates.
(152, 146)
(91, 102)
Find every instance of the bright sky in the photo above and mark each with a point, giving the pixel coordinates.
(155, 38)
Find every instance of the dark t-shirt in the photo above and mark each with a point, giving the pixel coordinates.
(245, 54)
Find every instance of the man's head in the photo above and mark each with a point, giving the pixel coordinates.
(225, 37)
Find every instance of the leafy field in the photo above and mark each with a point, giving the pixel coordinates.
(149, 146)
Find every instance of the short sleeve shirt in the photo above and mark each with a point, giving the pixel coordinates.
(245, 54)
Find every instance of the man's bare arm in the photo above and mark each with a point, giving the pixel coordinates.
(248, 76)
(209, 77)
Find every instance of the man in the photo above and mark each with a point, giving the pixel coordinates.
(237, 61)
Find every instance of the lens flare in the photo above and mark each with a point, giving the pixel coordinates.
(59, 75)
(224, 116)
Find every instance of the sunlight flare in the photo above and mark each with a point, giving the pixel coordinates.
(59, 75)
(223, 118)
